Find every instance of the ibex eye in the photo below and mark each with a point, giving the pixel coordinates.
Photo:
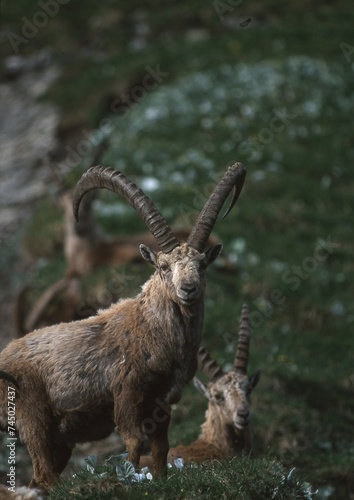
(164, 267)
(219, 397)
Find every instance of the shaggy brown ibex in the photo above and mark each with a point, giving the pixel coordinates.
(225, 432)
(86, 247)
(77, 381)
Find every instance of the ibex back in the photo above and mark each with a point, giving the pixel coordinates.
(77, 381)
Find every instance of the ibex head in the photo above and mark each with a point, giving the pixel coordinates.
(229, 392)
(180, 265)
(182, 270)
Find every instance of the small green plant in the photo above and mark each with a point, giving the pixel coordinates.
(116, 465)
(100, 480)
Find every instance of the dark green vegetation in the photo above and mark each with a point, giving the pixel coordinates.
(243, 479)
(290, 235)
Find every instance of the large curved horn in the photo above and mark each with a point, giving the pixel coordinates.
(243, 344)
(234, 177)
(113, 180)
(210, 367)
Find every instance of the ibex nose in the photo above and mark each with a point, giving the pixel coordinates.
(242, 418)
(189, 288)
(243, 414)
(187, 293)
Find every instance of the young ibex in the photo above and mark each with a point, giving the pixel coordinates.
(77, 381)
(225, 432)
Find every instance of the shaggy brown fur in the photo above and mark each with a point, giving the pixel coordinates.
(225, 432)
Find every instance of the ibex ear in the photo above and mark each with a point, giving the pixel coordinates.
(148, 254)
(212, 253)
(198, 384)
(254, 379)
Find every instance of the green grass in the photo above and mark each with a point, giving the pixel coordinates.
(243, 479)
(216, 106)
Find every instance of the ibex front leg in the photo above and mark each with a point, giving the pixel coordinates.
(128, 418)
(156, 428)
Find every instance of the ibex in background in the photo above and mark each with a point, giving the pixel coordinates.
(225, 432)
(60, 302)
(77, 381)
(87, 247)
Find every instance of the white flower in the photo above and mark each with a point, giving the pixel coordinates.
(179, 463)
(139, 477)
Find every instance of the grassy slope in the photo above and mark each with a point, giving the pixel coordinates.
(299, 190)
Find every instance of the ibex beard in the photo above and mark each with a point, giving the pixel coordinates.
(77, 381)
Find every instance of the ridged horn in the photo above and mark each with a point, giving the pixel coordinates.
(243, 344)
(234, 177)
(113, 180)
(9, 378)
(209, 366)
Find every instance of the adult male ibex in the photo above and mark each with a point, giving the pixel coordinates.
(225, 432)
(86, 247)
(77, 381)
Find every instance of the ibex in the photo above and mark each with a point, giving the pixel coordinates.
(86, 247)
(59, 302)
(77, 381)
(225, 432)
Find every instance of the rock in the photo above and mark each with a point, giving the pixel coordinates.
(27, 134)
